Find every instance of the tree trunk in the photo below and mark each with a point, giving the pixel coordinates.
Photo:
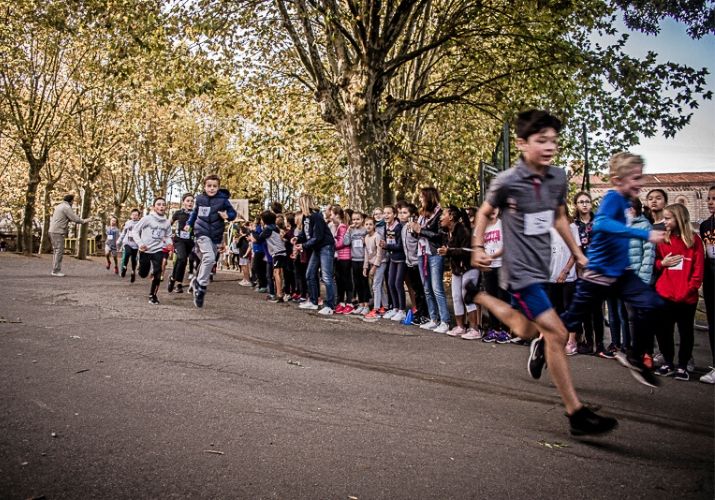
(85, 209)
(30, 200)
(364, 143)
(45, 243)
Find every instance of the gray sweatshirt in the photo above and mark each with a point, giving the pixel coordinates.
(126, 238)
(410, 245)
(154, 231)
(356, 239)
(61, 218)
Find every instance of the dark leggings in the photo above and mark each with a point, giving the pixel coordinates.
(130, 253)
(301, 283)
(258, 269)
(344, 281)
(361, 282)
(593, 324)
(153, 262)
(182, 248)
(684, 316)
(413, 277)
(491, 286)
(396, 284)
(709, 296)
(560, 295)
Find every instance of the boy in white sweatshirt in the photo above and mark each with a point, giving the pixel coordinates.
(152, 234)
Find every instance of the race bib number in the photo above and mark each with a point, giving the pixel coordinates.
(204, 211)
(358, 244)
(538, 223)
(711, 251)
(110, 237)
(184, 235)
(390, 241)
(678, 266)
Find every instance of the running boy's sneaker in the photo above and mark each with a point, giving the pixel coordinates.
(639, 371)
(58, 275)
(199, 294)
(537, 358)
(584, 422)
(124, 272)
(503, 337)
(153, 300)
(133, 277)
(326, 311)
(472, 334)
(179, 288)
(308, 305)
(682, 374)
(491, 336)
(172, 282)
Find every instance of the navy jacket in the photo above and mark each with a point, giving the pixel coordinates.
(394, 247)
(205, 220)
(316, 233)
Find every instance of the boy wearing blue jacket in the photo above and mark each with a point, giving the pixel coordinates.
(211, 211)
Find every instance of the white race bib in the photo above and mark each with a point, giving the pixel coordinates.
(184, 235)
(538, 223)
(678, 266)
(204, 211)
(357, 244)
(390, 241)
(711, 251)
(110, 237)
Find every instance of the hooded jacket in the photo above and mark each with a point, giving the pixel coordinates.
(316, 233)
(205, 219)
(680, 283)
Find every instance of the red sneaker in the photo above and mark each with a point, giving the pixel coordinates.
(381, 311)
(648, 361)
(348, 309)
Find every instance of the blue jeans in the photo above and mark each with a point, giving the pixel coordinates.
(618, 322)
(631, 290)
(321, 257)
(433, 282)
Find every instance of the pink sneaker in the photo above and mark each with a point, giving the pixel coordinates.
(472, 334)
(457, 331)
(571, 348)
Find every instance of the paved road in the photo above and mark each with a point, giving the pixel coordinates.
(104, 395)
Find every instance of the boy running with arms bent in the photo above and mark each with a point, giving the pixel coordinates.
(532, 198)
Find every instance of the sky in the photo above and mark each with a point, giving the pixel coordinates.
(693, 148)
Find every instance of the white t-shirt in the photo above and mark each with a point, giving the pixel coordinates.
(494, 241)
(560, 254)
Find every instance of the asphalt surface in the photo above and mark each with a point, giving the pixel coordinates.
(105, 395)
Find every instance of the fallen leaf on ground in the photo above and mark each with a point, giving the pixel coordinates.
(214, 452)
(552, 445)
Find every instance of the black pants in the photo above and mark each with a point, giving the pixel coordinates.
(182, 248)
(258, 269)
(344, 281)
(301, 283)
(396, 284)
(709, 297)
(415, 281)
(130, 253)
(289, 277)
(684, 316)
(153, 262)
(560, 295)
(491, 286)
(361, 282)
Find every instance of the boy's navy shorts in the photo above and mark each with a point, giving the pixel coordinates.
(532, 300)
(280, 262)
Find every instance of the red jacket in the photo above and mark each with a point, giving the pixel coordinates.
(680, 285)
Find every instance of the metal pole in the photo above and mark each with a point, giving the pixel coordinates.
(505, 144)
(586, 183)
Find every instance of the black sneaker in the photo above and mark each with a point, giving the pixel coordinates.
(179, 288)
(199, 294)
(124, 272)
(422, 320)
(682, 374)
(172, 282)
(584, 422)
(602, 353)
(471, 291)
(153, 300)
(665, 370)
(537, 358)
(133, 277)
(639, 371)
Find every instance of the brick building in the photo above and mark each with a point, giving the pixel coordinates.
(688, 188)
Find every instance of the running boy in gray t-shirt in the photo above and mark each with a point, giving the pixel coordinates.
(532, 199)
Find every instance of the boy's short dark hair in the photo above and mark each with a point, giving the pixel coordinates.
(412, 208)
(212, 177)
(534, 121)
(186, 195)
(268, 217)
(277, 207)
(69, 198)
(135, 210)
(157, 199)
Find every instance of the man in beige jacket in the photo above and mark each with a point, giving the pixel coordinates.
(59, 228)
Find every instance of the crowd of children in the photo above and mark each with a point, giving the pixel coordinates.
(521, 269)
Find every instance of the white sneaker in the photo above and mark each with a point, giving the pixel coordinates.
(709, 378)
(326, 311)
(58, 275)
(389, 314)
(308, 305)
(457, 331)
(472, 334)
(399, 316)
(442, 328)
(430, 325)
(244, 283)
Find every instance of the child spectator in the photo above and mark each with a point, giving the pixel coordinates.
(276, 249)
(395, 273)
(707, 234)
(408, 215)
(374, 268)
(494, 248)
(680, 261)
(343, 264)
(355, 239)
